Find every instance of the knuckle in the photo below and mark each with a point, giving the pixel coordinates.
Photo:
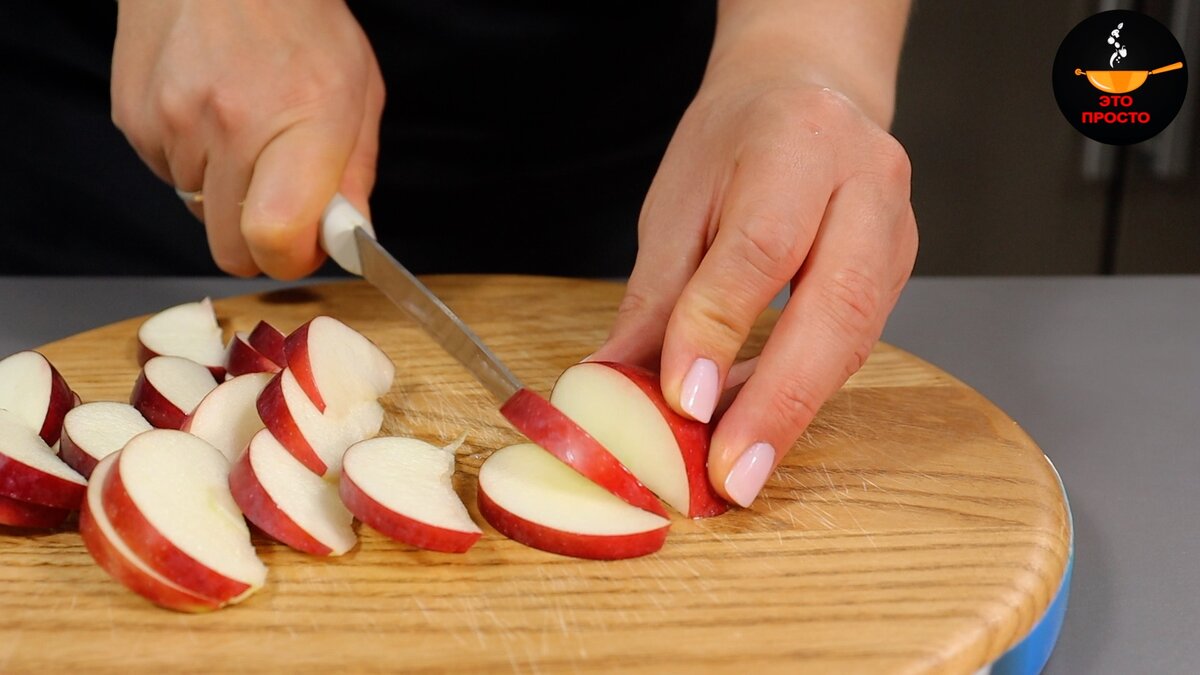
(176, 109)
(770, 246)
(710, 322)
(852, 300)
(893, 160)
(796, 403)
(228, 109)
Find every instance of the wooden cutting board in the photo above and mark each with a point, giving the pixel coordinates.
(915, 527)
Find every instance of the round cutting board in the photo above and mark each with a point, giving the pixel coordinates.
(913, 528)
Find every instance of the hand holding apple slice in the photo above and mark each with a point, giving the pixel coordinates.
(169, 388)
(189, 330)
(31, 472)
(111, 552)
(168, 498)
(228, 416)
(287, 501)
(623, 408)
(33, 390)
(532, 497)
(94, 431)
(403, 488)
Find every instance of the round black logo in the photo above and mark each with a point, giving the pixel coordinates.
(1119, 77)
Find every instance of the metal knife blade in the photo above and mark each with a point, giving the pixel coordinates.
(431, 314)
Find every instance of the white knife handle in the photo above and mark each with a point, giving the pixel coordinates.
(338, 223)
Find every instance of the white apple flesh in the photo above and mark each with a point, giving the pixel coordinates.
(169, 388)
(336, 366)
(288, 502)
(94, 431)
(32, 389)
(168, 498)
(403, 487)
(228, 416)
(31, 472)
(189, 330)
(533, 498)
(624, 409)
(114, 556)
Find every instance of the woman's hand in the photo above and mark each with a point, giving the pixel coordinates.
(773, 178)
(268, 107)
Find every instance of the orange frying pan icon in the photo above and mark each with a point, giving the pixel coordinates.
(1123, 81)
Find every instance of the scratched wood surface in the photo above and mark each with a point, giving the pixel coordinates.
(915, 528)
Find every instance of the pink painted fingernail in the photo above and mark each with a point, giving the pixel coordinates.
(698, 396)
(750, 473)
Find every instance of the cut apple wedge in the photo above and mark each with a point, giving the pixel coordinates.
(94, 431)
(31, 472)
(288, 502)
(16, 513)
(623, 408)
(317, 440)
(242, 358)
(531, 497)
(114, 556)
(403, 488)
(169, 388)
(189, 330)
(268, 341)
(548, 427)
(228, 416)
(336, 366)
(33, 390)
(168, 498)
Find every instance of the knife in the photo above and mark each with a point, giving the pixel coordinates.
(349, 238)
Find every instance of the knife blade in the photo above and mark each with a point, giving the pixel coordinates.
(342, 225)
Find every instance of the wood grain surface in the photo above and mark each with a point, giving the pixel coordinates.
(914, 528)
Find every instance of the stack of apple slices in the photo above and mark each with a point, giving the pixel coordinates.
(617, 441)
(37, 489)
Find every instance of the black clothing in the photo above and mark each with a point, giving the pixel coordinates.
(517, 137)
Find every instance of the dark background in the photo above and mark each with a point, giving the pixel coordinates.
(525, 135)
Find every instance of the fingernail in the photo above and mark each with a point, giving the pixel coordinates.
(750, 473)
(698, 397)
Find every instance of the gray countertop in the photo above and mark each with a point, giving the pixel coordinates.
(1103, 372)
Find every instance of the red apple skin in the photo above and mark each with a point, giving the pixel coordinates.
(691, 436)
(25, 483)
(296, 353)
(274, 412)
(16, 513)
(557, 434)
(244, 359)
(118, 567)
(75, 457)
(399, 526)
(258, 506)
(62, 399)
(158, 411)
(268, 341)
(145, 354)
(590, 546)
(158, 552)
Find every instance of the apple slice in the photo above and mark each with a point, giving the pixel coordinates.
(317, 440)
(531, 497)
(16, 513)
(94, 431)
(243, 358)
(169, 388)
(189, 330)
(113, 555)
(289, 502)
(33, 390)
(268, 341)
(623, 407)
(30, 471)
(168, 498)
(228, 416)
(403, 488)
(548, 427)
(336, 366)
